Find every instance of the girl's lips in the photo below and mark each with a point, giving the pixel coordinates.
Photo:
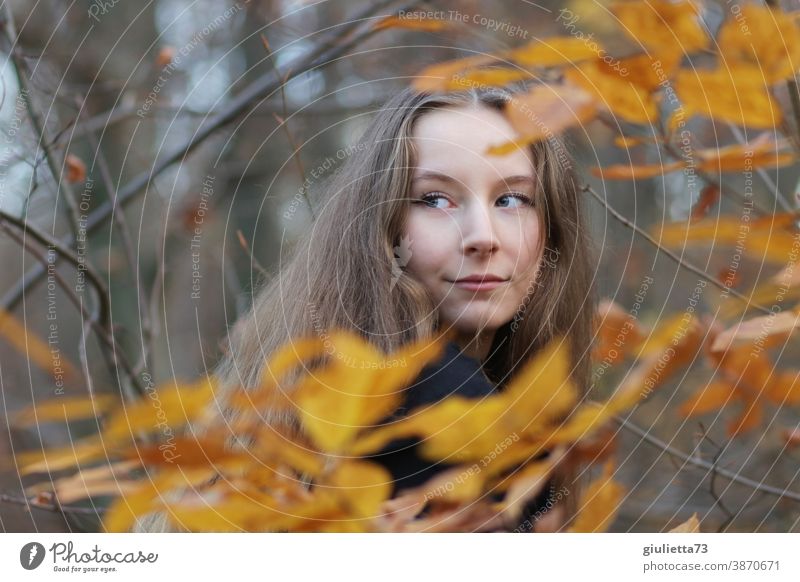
(479, 285)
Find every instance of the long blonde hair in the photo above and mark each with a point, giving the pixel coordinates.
(340, 274)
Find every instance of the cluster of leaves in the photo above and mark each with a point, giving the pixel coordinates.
(206, 483)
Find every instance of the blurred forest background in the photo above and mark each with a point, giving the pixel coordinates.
(170, 146)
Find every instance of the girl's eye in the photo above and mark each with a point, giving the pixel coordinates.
(514, 200)
(434, 200)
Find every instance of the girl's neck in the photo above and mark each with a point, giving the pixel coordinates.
(475, 345)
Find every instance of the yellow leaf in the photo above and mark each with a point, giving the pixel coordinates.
(148, 495)
(164, 410)
(552, 52)
(35, 349)
(617, 93)
(764, 38)
(358, 388)
(57, 459)
(486, 77)
(662, 25)
(738, 96)
(67, 409)
(599, 504)
(542, 391)
(362, 486)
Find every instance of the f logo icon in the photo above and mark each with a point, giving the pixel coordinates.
(31, 555)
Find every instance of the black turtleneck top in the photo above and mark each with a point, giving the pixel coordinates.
(454, 374)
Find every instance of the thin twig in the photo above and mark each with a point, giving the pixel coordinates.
(104, 309)
(691, 460)
(680, 261)
(119, 219)
(281, 119)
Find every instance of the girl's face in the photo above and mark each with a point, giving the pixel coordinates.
(472, 216)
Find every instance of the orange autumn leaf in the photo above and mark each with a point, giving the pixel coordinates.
(709, 196)
(770, 42)
(165, 56)
(552, 52)
(619, 94)
(711, 397)
(662, 25)
(544, 111)
(770, 238)
(784, 388)
(76, 169)
(740, 97)
(599, 504)
(405, 22)
(648, 71)
(617, 332)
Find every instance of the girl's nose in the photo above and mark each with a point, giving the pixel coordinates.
(478, 230)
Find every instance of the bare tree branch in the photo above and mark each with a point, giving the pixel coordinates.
(680, 261)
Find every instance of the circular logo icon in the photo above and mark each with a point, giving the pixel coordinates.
(31, 555)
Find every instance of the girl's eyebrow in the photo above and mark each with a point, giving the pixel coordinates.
(434, 175)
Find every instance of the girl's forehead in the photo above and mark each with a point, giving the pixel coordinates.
(459, 136)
